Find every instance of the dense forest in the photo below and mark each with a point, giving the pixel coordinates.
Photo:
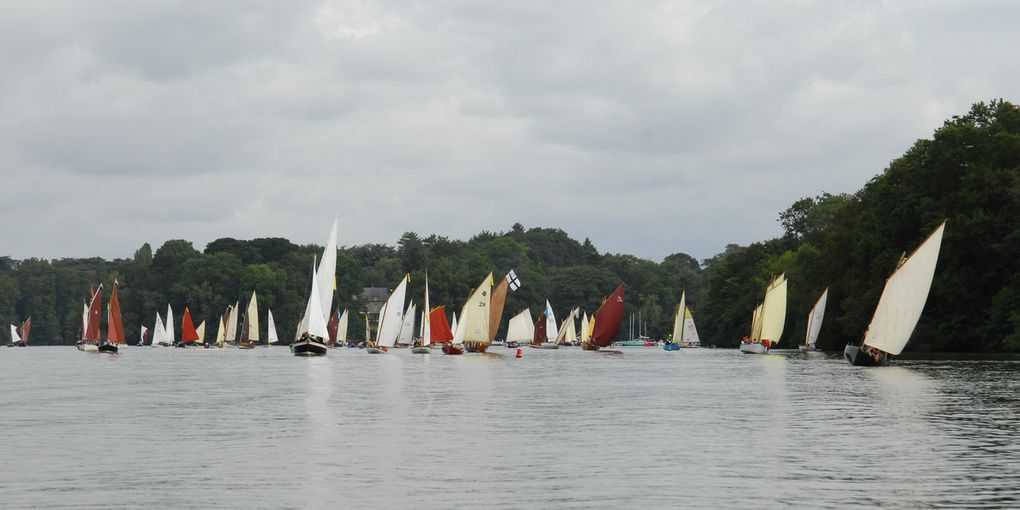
(968, 172)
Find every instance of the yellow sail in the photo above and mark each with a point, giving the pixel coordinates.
(678, 321)
(773, 313)
(253, 318)
(474, 316)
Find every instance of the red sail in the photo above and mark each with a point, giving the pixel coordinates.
(608, 319)
(114, 323)
(540, 330)
(188, 333)
(439, 327)
(26, 328)
(334, 323)
(95, 315)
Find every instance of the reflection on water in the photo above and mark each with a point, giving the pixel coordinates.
(555, 429)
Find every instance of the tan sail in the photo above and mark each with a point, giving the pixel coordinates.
(474, 316)
(496, 307)
(678, 320)
(253, 319)
(773, 313)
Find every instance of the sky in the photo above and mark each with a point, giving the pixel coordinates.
(649, 127)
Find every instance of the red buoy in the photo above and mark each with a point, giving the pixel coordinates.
(519, 352)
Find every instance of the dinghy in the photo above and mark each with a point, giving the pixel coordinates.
(678, 325)
(550, 323)
(189, 335)
(608, 320)
(311, 332)
(521, 329)
(690, 338)
(473, 331)
(814, 324)
(406, 336)
(159, 333)
(768, 319)
(425, 338)
(900, 306)
(200, 332)
(230, 336)
(144, 336)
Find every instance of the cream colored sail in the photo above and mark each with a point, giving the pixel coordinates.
(253, 318)
(221, 331)
(773, 313)
(690, 332)
(756, 323)
(271, 337)
(815, 319)
(232, 323)
(341, 328)
(392, 315)
(426, 324)
(200, 330)
(521, 328)
(327, 271)
(585, 335)
(566, 332)
(314, 322)
(904, 296)
(474, 316)
(406, 335)
(678, 320)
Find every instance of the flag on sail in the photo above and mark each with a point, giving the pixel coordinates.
(513, 280)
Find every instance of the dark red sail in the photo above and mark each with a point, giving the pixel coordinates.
(608, 319)
(439, 326)
(334, 323)
(114, 322)
(540, 330)
(95, 316)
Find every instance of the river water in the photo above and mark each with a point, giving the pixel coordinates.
(170, 428)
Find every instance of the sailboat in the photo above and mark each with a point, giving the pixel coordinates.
(334, 323)
(312, 334)
(200, 332)
(585, 328)
(145, 336)
(271, 338)
(159, 338)
(607, 321)
(425, 341)
(684, 332)
(900, 306)
(90, 335)
(19, 336)
(541, 338)
(496, 302)
(406, 336)
(250, 329)
(440, 329)
(814, 324)
(768, 319)
(230, 338)
(169, 325)
(391, 318)
(550, 322)
(341, 327)
(189, 335)
(521, 329)
(114, 324)
(475, 317)
(567, 335)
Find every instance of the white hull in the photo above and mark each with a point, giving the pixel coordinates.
(753, 348)
(88, 347)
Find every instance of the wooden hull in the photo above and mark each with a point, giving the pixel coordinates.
(589, 346)
(753, 348)
(450, 349)
(308, 348)
(421, 350)
(855, 356)
(475, 347)
(545, 345)
(245, 346)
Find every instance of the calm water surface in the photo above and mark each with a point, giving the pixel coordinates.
(202, 429)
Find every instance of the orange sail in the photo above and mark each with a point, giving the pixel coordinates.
(496, 302)
(114, 323)
(188, 333)
(608, 319)
(439, 327)
(26, 328)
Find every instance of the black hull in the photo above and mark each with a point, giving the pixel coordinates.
(858, 358)
(308, 348)
(111, 348)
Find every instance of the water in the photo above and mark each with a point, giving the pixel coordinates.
(157, 428)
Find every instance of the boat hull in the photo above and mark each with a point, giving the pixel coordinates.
(108, 348)
(806, 347)
(421, 350)
(545, 345)
(88, 347)
(475, 347)
(671, 347)
(854, 355)
(753, 348)
(450, 349)
(308, 348)
(589, 346)
(376, 350)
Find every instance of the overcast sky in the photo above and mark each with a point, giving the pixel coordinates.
(649, 127)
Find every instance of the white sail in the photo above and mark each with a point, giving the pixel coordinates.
(474, 316)
(426, 323)
(690, 335)
(584, 336)
(406, 335)
(158, 332)
(773, 312)
(253, 318)
(815, 318)
(314, 322)
(327, 271)
(521, 328)
(15, 338)
(271, 337)
(392, 315)
(169, 325)
(341, 327)
(378, 323)
(550, 322)
(232, 323)
(200, 330)
(141, 335)
(453, 325)
(85, 318)
(904, 296)
(678, 320)
(566, 332)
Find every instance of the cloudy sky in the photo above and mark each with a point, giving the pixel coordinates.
(650, 127)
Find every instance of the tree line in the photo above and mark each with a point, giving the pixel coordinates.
(968, 172)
